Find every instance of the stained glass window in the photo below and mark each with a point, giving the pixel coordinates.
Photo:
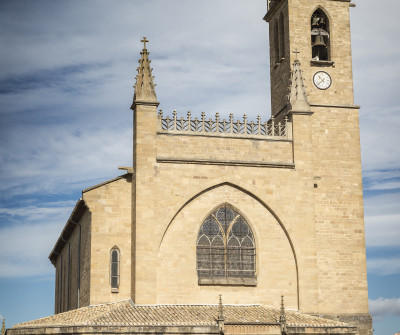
(225, 246)
(114, 269)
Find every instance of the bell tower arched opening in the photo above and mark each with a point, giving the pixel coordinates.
(320, 36)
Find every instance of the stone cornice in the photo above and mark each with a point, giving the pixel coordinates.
(225, 162)
(144, 103)
(272, 11)
(336, 106)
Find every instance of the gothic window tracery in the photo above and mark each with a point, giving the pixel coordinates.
(320, 36)
(114, 268)
(225, 246)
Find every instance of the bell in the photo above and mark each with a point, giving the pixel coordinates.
(315, 21)
(319, 48)
(319, 41)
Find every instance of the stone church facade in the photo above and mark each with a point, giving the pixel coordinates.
(250, 210)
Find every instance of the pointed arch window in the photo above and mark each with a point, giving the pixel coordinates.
(226, 252)
(320, 36)
(114, 269)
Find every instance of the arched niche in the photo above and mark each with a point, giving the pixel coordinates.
(276, 265)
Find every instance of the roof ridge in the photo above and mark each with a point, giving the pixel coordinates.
(90, 188)
(117, 305)
(155, 305)
(108, 303)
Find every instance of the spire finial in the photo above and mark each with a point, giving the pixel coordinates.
(296, 52)
(3, 327)
(220, 319)
(298, 101)
(220, 309)
(282, 317)
(145, 92)
(144, 41)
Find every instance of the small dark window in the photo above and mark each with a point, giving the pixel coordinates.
(114, 269)
(276, 42)
(281, 36)
(225, 246)
(320, 36)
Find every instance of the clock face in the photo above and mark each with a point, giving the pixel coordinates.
(322, 80)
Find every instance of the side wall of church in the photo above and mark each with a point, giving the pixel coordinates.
(69, 274)
(110, 207)
(339, 211)
(84, 295)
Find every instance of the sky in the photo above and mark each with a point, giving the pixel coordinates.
(66, 74)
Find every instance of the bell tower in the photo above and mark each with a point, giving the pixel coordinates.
(317, 32)
(310, 52)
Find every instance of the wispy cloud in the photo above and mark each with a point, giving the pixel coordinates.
(381, 307)
(28, 238)
(384, 266)
(382, 230)
(382, 219)
(384, 185)
(381, 180)
(25, 250)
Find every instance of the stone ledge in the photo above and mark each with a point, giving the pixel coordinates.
(225, 162)
(228, 281)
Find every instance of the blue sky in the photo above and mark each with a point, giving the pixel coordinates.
(66, 74)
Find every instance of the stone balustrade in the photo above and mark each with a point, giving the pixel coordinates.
(270, 129)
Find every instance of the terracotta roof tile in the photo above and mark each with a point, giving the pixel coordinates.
(125, 313)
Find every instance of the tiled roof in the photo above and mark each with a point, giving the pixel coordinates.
(125, 313)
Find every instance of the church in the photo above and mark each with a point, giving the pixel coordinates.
(230, 225)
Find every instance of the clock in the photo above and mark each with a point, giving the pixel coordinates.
(322, 80)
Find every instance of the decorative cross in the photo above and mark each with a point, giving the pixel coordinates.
(144, 41)
(296, 52)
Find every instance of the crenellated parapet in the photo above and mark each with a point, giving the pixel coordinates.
(221, 127)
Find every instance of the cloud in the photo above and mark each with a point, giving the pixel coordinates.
(382, 230)
(382, 219)
(28, 238)
(381, 180)
(59, 159)
(382, 203)
(65, 99)
(377, 137)
(384, 266)
(381, 307)
(389, 185)
(381, 174)
(374, 69)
